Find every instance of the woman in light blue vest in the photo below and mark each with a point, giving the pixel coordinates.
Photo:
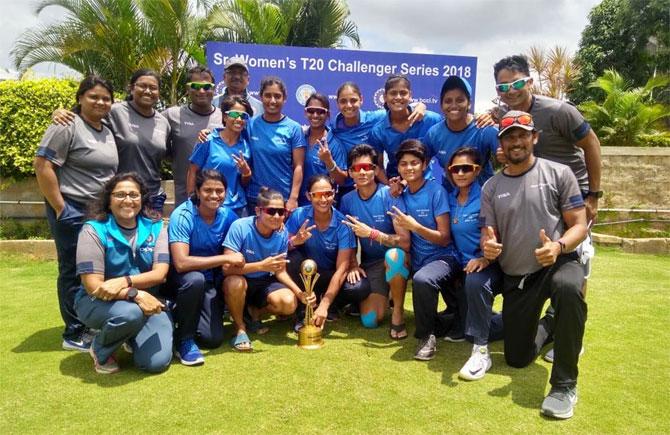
(122, 257)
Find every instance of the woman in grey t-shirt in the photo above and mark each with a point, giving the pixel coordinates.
(72, 164)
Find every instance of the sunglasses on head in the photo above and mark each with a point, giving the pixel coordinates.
(465, 168)
(516, 84)
(200, 85)
(273, 211)
(521, 119)
(313, 110)
(363, 166)
(235, 114)
(322, 194)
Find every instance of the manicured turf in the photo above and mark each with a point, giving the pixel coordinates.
(360, 382)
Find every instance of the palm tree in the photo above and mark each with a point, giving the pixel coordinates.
(555, 71)
(626, 114)
(113, 38)
(307, 23)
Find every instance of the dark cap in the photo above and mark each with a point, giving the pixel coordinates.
(518, 119)
(456, 82)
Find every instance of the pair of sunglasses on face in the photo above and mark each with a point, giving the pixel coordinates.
(516, 84)
(235, 114)
(315, 110)
(273, 211)
(363, 167)
(465, 168)
(196, 86)
(322, 194)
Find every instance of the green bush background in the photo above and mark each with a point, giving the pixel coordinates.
(25, 113)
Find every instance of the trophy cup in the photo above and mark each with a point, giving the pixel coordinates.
(309, 336)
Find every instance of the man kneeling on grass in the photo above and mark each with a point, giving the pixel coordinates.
(533, 219)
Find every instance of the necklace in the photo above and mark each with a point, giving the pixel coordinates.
(459, 208)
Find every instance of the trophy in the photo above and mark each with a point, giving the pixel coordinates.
(309, 336)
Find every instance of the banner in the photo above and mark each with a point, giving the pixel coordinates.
(305, 70)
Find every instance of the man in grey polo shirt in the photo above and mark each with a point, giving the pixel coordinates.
(187, 120)
(533, 218)
(236, 78)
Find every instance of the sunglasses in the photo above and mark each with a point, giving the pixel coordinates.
(363, 166)
(312, 110)
(465, 168)
(123, 195)
(521, 119)
(200, 85)
(235, 114)
(323, 194)
(516, 84)
(273, 211)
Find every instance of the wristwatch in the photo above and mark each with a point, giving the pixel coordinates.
(597, 194)
(131, 294)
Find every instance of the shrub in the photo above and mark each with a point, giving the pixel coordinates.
(25, 114)
(655, 140)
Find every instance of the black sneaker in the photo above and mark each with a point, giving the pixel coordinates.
(560, 402)
(353, 310)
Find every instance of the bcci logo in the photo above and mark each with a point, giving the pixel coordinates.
(378, 98)
(303, 92)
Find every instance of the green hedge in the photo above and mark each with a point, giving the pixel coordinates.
(25, 114)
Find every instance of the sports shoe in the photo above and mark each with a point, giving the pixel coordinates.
(189, 354)
(127, 347)
(352, 310)
(298, 325)
(454, 336)
(477, 365)
(549, 356)
(79, 344)
(107, 368)
(426, 349)
(560, 402)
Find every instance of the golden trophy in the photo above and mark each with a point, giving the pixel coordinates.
(309, 336)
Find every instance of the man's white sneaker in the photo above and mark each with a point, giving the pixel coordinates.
(477, 365)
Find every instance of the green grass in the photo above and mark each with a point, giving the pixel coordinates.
(360, 382)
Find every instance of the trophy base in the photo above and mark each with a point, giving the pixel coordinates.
(309, 338)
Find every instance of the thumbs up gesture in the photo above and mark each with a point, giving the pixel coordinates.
(547, 254)
(490, 246)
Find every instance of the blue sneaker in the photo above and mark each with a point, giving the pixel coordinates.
(79, 344)
(189, 354)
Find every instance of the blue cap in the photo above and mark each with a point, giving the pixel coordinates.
(456, 82)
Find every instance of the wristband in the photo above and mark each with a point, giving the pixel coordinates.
(332, 168)
(374, 234)
(128, 281)
(562, 243)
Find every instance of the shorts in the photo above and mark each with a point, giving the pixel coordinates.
(258, 290)
(376, 272)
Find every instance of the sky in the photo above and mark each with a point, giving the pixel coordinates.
(486, 29)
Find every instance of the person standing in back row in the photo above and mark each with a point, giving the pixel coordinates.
(236, 79)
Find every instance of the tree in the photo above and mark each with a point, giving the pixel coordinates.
(554, 71)
(630, 36)
(307, 23)
(113, 38)
(627, 114)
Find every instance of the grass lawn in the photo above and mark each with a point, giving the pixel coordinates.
(360, 382)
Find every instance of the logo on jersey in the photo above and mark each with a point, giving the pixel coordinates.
(303, 92)
(378, 98)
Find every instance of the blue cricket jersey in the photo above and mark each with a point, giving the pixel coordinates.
(465, 226)
(314, 165)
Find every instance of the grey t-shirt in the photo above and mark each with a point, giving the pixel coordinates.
(185, 125)
(561, 125)
(91, 251)
(85, 158)
(520, 206)
(141, 141)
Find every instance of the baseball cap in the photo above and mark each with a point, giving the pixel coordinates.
(235, 60)
(516, 119)
(456, 82)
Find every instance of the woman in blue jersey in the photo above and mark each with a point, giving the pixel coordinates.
(398, 126)
(196, 232)
(227, 151)
(460, 129)
(353, 125)
(122, 258)
(277, 148)
(140, 132)
(434, 263)
(263, 283)
(324, 154)
(72, 164)
(317, 232)
(483, 279)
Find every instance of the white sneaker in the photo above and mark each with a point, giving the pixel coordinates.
(477, 365)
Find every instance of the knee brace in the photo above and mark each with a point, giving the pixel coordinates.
(369, 319)
(397, 266)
